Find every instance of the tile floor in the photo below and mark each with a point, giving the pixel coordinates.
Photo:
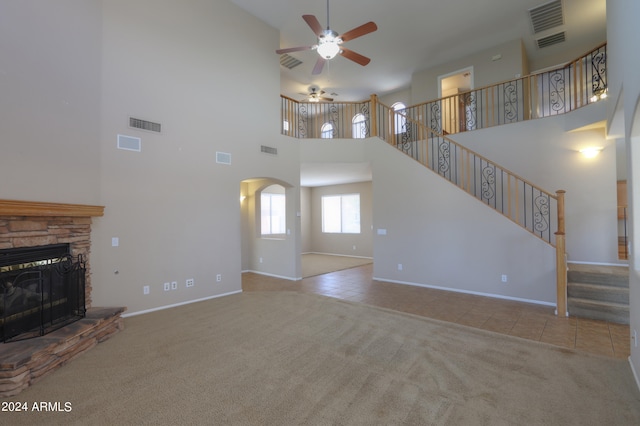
(529, 321)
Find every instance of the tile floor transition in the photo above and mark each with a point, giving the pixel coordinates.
(526, 320)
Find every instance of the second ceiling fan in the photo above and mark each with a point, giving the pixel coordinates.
(330, 42)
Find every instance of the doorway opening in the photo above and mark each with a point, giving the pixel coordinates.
(456, 101)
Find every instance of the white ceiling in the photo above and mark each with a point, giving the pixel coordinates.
(415, 35)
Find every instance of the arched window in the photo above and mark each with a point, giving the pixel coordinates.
(400, 120)
(359, 126)
(326, 131)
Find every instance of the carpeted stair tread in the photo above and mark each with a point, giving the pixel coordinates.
(599, 292)
(615, 276)
(594, 309)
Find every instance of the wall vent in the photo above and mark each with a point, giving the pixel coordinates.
(268, 150)
(546, 16)
(223, 158)
(129, 143)
(137, 123)
(288, 61)
(551, 40)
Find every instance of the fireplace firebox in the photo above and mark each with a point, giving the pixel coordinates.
(41, 288)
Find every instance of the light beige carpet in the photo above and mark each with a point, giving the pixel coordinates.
(288, 358)
(316, 264)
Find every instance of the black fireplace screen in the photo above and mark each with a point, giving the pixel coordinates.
(42, 289)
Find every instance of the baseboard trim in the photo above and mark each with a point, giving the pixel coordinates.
(598, 263)
(339, 255)
(272, 275)
(161, 308)
(635, 375)
(475, 293)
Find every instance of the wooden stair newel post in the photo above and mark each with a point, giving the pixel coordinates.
(561, 260)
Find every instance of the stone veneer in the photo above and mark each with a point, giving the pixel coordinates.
(31, 224)
(21, 231)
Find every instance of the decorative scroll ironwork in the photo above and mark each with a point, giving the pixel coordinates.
(541, 214)
(444, 156)
(303, 115)
(334, 116)
(436, 119)
(470, 110)
(557, 99)
(364, 110)
(599, 72)
(510, 93)
(488, 182)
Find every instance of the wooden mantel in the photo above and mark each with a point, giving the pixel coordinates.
(43, 209)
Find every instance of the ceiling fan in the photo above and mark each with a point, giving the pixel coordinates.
(330, 42)
(315, 95)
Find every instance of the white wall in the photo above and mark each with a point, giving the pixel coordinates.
(544, 152)
(424, 83)
(175, 210)
(623, 120)
(445, 238)
(49, 100)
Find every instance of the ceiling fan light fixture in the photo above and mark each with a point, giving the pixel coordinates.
(328, 46)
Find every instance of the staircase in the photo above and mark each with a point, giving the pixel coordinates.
(598, 292)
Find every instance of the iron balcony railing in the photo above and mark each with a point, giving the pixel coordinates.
(558, 91)
(542, 94)
(422, 132)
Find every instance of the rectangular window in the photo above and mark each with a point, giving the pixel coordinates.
(272, 214)
(341, 214)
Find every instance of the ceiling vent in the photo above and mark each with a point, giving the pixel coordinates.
(268, 150)
(137, 123)
(551, 40)
(546, 16)
(288, 61)
(223, 158)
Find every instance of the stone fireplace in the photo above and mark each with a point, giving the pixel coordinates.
(37, 224)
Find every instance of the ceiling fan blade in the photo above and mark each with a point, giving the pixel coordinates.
(313, 23)
(294, 49)
(326, 99)
(367, 28)
(355, 57)
(317, 69)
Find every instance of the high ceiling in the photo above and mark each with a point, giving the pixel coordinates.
(414, 35)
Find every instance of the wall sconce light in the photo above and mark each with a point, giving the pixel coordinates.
(591, 152)
(242, 197)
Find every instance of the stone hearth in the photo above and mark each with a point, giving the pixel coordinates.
(31, 224)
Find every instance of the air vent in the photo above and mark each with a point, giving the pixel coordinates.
(223, 158)
(551, 40)
(137, 123)
(268, 150)
(546, 16)
(288, 61)
(129, 143)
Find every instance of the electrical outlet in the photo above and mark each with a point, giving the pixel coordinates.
(260, 260)
(399, 266)
(190, 282)
(219, 277)
(145, 289)
(504, 278)
(174, 285)
(167, 286)
(635, 339)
